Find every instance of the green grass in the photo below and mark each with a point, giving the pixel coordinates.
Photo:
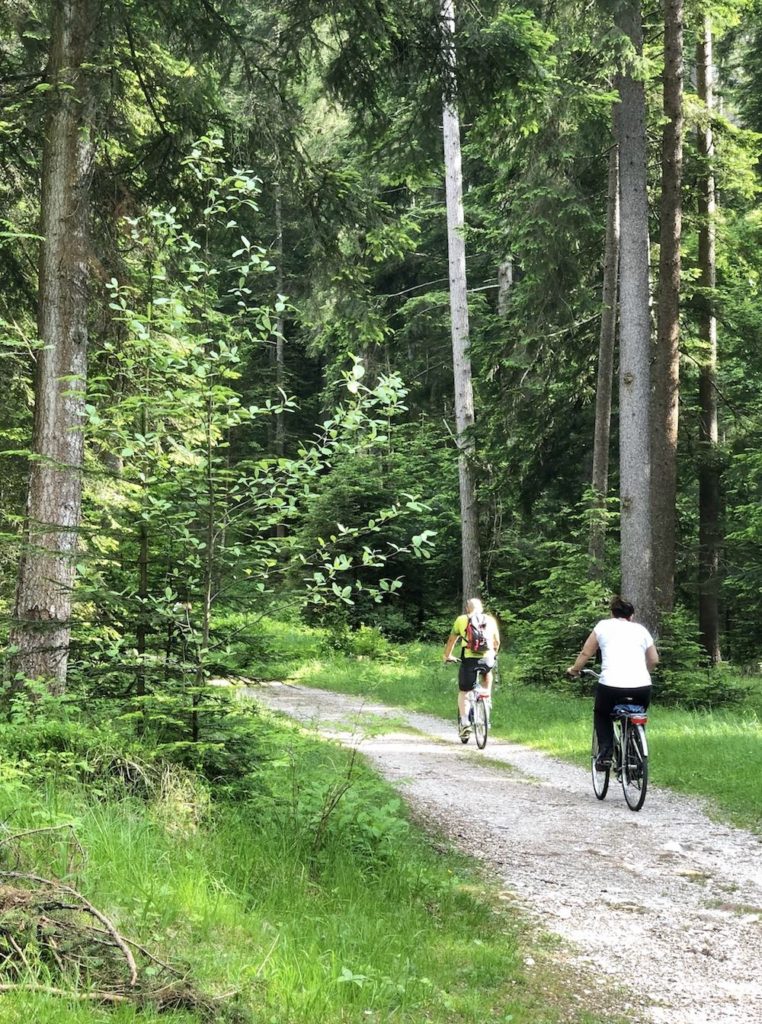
(714, 754)
(311, 916)
(27, 1008)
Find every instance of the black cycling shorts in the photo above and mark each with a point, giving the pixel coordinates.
(470, 668)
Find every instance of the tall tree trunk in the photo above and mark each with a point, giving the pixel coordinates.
(666, 370)
(280, 323)
(202, 653)
(600, 475)
(709, 469)
(461, 359)
(43, 602)
(634, 334)
(280, 341)
(504, 285)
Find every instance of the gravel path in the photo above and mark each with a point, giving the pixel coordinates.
(665, 902)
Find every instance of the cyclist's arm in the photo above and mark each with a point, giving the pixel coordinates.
(451, 641)
(589, 649)
(652, 657)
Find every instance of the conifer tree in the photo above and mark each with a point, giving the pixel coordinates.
(634, 329)
(46, 573)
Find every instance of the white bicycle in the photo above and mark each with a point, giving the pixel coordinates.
(478, 705)
(478, 708)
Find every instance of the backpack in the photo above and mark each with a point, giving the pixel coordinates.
(476, 633)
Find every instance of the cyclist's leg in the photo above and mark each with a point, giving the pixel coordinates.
(487, 663)
(462, 709)
(605, 699)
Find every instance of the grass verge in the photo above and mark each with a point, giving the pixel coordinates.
(303, 888)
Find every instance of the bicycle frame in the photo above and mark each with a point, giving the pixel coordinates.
(478, 703)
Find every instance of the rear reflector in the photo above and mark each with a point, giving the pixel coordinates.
(639, 719)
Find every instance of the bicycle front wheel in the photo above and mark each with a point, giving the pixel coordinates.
(481, 724)
(600, 778)
(635, 767)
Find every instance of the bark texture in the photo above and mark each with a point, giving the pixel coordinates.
(46, 572)
(606, 343)
(666, 370)
(634, 334)
(461, 359)
(710, 495)
(504, 286)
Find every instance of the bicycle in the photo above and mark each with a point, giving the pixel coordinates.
(629, 760)
(478, 702)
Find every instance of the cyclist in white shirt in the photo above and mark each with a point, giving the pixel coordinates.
(628, 654)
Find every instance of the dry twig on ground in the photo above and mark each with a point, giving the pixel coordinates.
(54, 941)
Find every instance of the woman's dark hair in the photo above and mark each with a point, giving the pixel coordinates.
(620, 608)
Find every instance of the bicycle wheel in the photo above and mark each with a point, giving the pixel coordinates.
(481, 724)
(635, 767)
(600, 779)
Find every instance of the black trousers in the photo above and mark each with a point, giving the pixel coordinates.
(606, 697)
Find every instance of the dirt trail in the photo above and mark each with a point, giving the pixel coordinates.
(665, 902)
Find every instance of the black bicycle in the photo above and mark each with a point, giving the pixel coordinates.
(629, 761)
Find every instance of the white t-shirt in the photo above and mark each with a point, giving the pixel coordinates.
(623, 647)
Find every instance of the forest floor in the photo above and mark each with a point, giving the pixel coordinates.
(664, 905)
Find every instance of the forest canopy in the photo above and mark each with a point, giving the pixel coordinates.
(345, 312)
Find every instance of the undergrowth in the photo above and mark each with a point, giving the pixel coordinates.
(293, 890)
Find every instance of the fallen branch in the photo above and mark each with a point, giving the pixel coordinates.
(51, 926)
(67, 993)
(88, 908)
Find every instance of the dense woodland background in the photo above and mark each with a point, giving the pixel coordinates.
(316, 318)
(227, 341)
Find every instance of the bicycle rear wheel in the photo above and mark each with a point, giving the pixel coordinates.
(600, 779)
(481, 723)
(635, 767)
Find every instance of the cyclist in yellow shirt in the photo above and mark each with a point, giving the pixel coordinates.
(473, 629)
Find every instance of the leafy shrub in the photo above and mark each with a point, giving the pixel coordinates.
(47, 735)
(327, 802)
(368, 642)
(364, 642)
(338, 814)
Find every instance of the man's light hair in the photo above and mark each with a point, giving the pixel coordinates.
(473, 604)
